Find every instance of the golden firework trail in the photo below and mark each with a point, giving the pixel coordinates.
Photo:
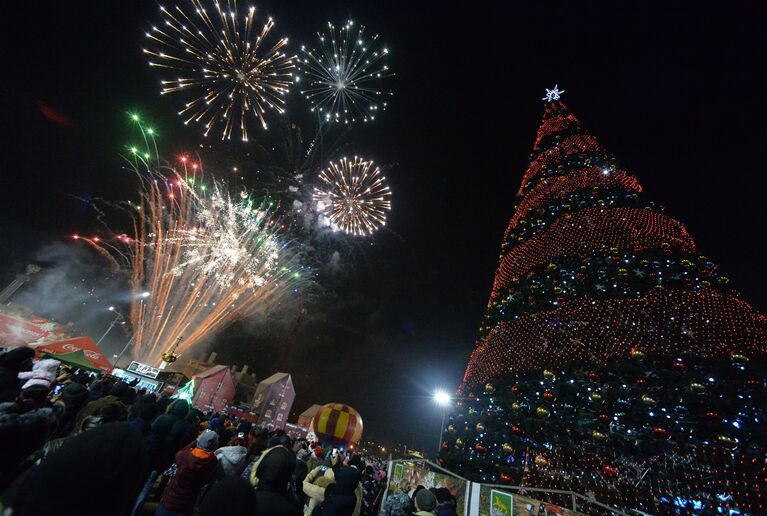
(354, 196)
(199, 258)
(230, 72)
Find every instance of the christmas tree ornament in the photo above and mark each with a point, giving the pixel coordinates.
(515, 389)
(459, 443)
(609, 471)
(603, 418)
(507, 448)
(541, 461)
(505, 478)
(480, 427)
(727, 442)
(450, 428)
(489, 388)
(637, 354)
(542, 412)
(697, 388)
(598, 436)
(480, 448)
(548, 396)
(738, 358)
(516, 406)
(596, 397)
(647, 400)
(661, 433)
(548, 374)
(516, 430)
(593, 376)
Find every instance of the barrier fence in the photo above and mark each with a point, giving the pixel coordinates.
(477, 499)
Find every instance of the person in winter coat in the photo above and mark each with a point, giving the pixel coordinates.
(370, 488)
(445, 502)
(296, 487)
(13, 362)
(73, 397)
(255, 450)
(340, 498)
(425, 503)
(43, 373)
(195, 465)
(95, 473)
(232, 496)
(271, 475)
(314, 485)
(141, 414)
(398, 503)
(231, 459)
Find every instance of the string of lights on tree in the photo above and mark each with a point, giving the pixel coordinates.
(614, 359)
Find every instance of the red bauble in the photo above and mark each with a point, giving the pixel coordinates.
(445, 446)
(505, 478)
(603, 418)
(517, 430)
(641, 381)
(548, 396)
(661, 433)
(593, 376)
(610, 471)
(713, 416)
(480, 448)
(515, 389)
(679, 366)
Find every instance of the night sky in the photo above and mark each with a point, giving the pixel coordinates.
(674, 90)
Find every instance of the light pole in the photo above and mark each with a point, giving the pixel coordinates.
(119, 317)
(442, 399)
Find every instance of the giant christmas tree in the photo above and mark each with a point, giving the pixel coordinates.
(614, 358)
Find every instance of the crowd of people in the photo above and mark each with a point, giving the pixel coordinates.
(79, 443)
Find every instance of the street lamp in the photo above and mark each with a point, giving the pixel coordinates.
(442, 399)
(118, 318)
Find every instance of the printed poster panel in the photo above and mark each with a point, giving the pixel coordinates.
(419, 473)
(492, 502)
(501, 503)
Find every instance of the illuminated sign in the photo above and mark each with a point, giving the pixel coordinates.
(143, 369)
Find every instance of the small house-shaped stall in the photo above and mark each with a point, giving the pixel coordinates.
(213, 389)
(305, 419)
(273, 400)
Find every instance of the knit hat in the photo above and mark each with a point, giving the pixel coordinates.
(74, 395)
(443, 495)
(208, 440)
(178, 408)
(425, 500)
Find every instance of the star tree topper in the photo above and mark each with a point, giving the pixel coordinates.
(553, 94)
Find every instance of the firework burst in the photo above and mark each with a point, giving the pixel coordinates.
(199, 259)
(230, 72)
(354, 196)
(341, 77)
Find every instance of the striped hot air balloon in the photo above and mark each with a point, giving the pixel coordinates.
(336, 424)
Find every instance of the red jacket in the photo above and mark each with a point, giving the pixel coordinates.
(194, 468)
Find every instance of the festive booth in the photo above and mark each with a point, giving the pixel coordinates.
(79, 352)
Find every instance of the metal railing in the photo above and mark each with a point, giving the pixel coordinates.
(471, 496)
